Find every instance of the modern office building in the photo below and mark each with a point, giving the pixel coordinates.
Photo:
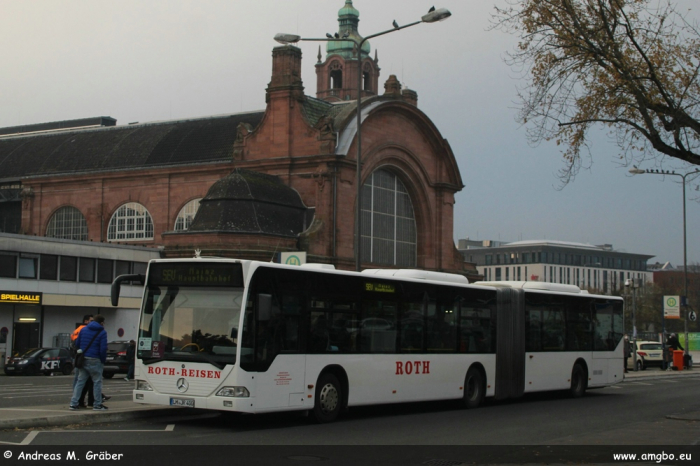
(599, 268)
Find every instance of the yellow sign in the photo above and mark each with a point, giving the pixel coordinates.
(18, 297)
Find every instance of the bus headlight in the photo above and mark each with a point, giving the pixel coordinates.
(236, 392)
(143, 385)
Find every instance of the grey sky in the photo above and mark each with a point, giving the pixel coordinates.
(137, 60)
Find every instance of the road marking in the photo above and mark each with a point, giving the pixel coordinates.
(33, 434)
(640, 383)
(615, 387)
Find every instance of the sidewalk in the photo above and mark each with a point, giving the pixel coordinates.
(59, 414)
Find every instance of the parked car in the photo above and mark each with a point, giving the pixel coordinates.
(40, 361)
(116, 359)
(649, 354)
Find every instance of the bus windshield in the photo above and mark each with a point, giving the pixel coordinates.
(184, 323)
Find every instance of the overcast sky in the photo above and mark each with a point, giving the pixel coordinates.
(137, 60)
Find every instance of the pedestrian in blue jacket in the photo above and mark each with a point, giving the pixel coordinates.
(92, 340)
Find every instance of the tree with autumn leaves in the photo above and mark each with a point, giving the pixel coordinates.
(630, 66)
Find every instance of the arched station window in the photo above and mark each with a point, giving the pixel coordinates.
(388, 222)
(67, 223)
(130, 222)
(186, 215)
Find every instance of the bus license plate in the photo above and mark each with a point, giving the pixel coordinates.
(187, 402)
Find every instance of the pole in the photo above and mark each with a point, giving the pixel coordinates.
(664, 354)
(634, 324)
(358, 170)
(685, 270)
(684, 300)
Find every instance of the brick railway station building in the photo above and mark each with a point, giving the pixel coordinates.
(250, 185)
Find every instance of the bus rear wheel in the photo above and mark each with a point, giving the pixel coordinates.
(578, 381)
(328, 399)
(474, 390)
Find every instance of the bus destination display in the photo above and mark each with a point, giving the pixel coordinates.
(196, 274)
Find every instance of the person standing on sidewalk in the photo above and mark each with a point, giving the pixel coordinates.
(87, 318)
(131, 357)
(92, 340)
(674, 343)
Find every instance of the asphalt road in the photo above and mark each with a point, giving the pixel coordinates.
(631, 413)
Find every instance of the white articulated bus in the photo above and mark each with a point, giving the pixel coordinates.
(255, 337)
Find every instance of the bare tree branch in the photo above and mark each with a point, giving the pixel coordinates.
(632, 66)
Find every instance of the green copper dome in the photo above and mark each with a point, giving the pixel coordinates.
(348, 18)
(348, 9)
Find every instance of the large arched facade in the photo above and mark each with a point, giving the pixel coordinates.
(307, 143)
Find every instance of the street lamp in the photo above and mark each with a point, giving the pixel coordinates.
(433, 16)
(639, 171)
(631, 283)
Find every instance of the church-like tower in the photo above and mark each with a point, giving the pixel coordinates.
(337, 76)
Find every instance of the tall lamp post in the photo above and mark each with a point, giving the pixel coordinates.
(639, 171)
(631, 283)
(433, 16)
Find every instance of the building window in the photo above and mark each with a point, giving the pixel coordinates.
(186, 215)
(87, 270)
(388, 223)
(27, 267)
(130, 222)
(67, 223)
(8, 266)
(68, 268)
(48, 267)
(104, 271)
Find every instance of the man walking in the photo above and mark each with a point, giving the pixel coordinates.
(92, 340)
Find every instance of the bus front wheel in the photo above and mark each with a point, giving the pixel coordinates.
(578, 381)
(328, 399)
(474, 390)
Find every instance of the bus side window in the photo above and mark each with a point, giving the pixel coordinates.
(378, 326)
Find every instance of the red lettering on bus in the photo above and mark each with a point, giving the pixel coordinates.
(150, 369)
(417, 365)
(412, 367)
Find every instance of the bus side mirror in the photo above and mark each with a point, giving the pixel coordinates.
(117, 285)
(264, 307)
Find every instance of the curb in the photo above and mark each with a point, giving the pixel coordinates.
(70, 419)
(684, 417)
(675, 375)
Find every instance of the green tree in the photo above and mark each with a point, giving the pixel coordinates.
(629, 65)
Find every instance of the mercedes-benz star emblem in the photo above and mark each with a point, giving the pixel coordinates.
(182, 385)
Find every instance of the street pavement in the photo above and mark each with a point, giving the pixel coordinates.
(43, 416)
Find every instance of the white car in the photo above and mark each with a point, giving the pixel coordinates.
(649, 353)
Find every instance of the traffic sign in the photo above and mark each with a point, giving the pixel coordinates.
(672, 308)
(692, 316)
(293, 258)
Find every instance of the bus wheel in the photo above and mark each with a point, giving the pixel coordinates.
(473, 389)
(328, 399)
(578, 381)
